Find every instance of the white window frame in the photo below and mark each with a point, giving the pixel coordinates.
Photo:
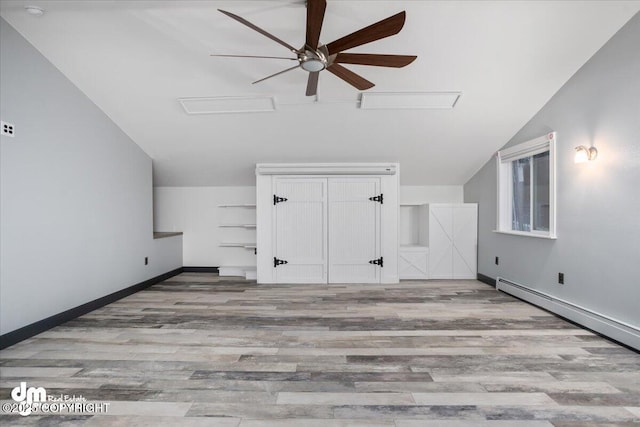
(546, 143)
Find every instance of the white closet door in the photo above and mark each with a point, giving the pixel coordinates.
(465, 232)
(440, 242)
(300, 228)
(354, 230)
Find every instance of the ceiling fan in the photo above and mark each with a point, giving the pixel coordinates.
(315, 57)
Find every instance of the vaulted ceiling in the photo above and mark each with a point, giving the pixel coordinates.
(134, 59)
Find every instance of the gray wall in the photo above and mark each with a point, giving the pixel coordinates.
(75, 195)
(598, 203)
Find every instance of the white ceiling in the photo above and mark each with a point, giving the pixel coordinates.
(134, 59)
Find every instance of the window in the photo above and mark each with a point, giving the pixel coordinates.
(526, 188)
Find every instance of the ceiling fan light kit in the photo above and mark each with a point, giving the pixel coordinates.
(312, 62)
(314, 57)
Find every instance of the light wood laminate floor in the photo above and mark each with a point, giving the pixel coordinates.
(199, 350)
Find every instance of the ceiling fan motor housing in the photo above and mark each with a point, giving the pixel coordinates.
(312, 61)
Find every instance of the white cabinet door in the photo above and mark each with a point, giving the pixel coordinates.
(354, 230)
(453, 235)
(413, 263)
(300, 230)
(465, 235)
(440, 242)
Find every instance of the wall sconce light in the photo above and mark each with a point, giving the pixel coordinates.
(34, 10)
(584, 154)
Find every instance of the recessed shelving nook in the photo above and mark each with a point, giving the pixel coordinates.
(413, 224)
(413, 259)
(238, 220)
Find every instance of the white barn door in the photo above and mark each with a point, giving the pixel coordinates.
(300, 228)
(465, 240)
(440, 242)
(354, 230)
(453, 237)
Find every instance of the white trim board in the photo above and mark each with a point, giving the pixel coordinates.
(606, 325)
(326, 168)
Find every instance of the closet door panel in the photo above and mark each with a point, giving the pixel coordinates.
(440, 242)
(354, 230)
(413, 264)
(300, 225)
(465, 232)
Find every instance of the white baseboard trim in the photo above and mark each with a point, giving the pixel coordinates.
(606, 325)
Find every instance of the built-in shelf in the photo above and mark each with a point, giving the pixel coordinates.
(413, 259)
(415, 247)
(246, 205)
(248, 272)
(238, 245)
(413, 224)
(163, 234)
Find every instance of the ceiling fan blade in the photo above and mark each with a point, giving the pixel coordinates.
(350, 77)
(396, 61)
(312, 84)
(252, 56)
(315, 16)
(276, 74)
(379, 30)
(258, 29)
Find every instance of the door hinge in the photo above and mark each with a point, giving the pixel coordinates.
(277, 199)
(378, 261)
(277, 262)
(377, 198)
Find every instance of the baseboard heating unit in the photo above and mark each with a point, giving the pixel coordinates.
(607, 326)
